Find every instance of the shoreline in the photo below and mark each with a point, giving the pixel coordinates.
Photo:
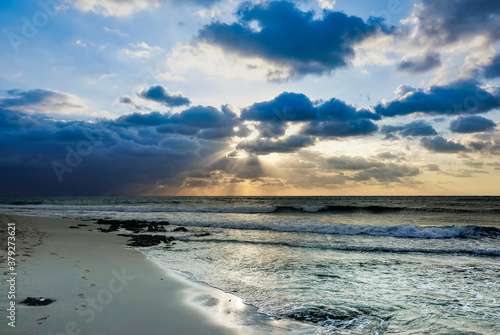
(102, 287)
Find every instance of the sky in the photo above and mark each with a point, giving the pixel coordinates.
(240, 98)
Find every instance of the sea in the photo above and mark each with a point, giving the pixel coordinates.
(344, 265)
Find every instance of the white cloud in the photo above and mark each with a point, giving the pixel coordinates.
(115, 31)
(115, 7)
(140, 50)
(327, 4)
(374, 51)
(214, 62)
(169, 76)
(80, 43)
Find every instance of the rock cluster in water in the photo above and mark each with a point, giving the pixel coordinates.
(32, 301)
(135, 226)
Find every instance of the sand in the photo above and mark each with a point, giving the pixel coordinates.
(102, 287)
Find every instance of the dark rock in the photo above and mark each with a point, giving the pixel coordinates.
(31, 301)
(156, 227)
(134, 226)
(180, 229)
(74, 227)
(148, 240)
(202, 235)
(322, 313)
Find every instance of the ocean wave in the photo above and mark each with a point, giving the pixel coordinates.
(403, 231)
(21, 203)
(355, 248)
(373, 209)
(243, 209)
(147, 209)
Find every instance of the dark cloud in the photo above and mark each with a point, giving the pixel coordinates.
(40, 100)
(126, 100)
(420, 64)
(159, 94)
(432, 167)
(471, 124)
(335, 129)
(388, 155)
(459, 97)
(474, 164)
(266, 146)
(440, 144)
(288, 37)
(19, 98)
(492, 70)
(43, 156)
(415, 128)
(333, 118)
(371, 168)
(389, 173)
(353, 163)
(202, 122)
(448, 21)
(486, 143)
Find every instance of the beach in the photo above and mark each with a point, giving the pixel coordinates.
(100, 287)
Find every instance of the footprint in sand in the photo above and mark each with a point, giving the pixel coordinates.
(41, 319)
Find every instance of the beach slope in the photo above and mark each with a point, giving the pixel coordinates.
(99, 286)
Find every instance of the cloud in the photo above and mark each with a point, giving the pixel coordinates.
(333, 118)
(202, 122)
(492, 70)
(389, 156)
(371, 168)
(126, 100)
(42, 101)
(471, 124)
(420, 64)
(432, 167)
(122, 8)
(115, 31)
(335, 129)
(447, 21)
(389, 173)
(296, 41)
(115, 7)
(353, 163)
(285, 107)
(161, 95)
(486, 143)
(415, 128)
(266, 146)
(440, 144)
(100, 157)
(459, 97)
(141, 50)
